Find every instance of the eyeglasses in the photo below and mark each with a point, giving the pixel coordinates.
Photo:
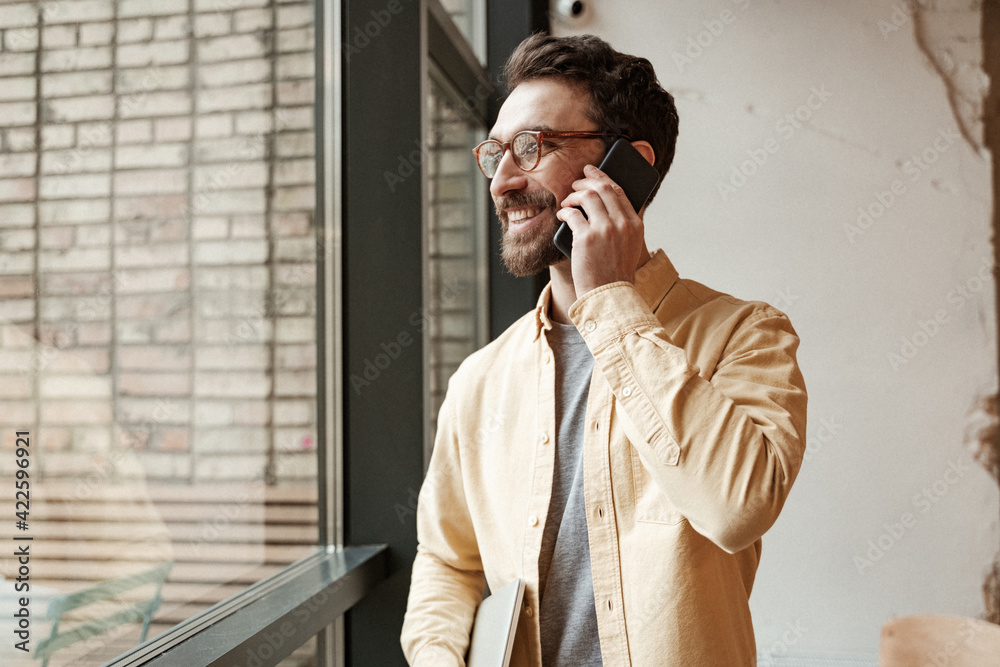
(526, 147)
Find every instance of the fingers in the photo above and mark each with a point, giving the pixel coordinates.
(608, 241)
(573, 217)
(602, 199)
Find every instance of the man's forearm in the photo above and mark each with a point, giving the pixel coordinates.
(439, 612)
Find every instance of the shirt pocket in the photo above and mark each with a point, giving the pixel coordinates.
(651, 504)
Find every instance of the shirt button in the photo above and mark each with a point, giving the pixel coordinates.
(532, 520)
(589, 325)
(548, 358)
(626, 392)
(527, 611)
(544, 437)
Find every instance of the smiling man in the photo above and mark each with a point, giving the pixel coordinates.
(624, 446)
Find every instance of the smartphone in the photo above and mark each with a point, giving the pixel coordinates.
(628, 168)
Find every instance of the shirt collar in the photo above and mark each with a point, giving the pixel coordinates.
(652, 280)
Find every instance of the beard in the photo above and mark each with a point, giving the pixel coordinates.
(531, 252)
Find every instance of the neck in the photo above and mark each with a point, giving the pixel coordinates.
(564, 292)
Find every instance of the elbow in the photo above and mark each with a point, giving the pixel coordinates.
(734, 541)
(747, 515)
(740, 527)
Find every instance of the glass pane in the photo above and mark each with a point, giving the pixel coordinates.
(470, 17)
(157, 304)
(456, 243)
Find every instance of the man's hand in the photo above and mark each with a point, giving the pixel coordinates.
(609, 244)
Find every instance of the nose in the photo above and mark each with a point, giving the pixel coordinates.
(509, 176)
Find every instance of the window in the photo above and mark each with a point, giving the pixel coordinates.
(158, 314)
(470, 18)
(456, 244)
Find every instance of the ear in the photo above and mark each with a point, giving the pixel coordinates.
(646, 150)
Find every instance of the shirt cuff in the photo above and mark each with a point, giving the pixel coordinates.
(609, 312)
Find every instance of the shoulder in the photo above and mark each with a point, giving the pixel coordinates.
(691, 304)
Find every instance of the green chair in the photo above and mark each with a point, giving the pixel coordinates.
(104, 591)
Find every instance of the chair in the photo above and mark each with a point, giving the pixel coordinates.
(104, 591)
(939, 641)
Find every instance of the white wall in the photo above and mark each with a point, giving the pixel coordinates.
(878, 434)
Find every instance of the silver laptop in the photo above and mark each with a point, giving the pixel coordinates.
(493, 628)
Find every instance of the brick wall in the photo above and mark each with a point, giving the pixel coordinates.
(456, 227)
(156, 251)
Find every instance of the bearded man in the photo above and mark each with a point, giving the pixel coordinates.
(644, 430)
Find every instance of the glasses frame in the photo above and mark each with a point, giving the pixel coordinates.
(540, 136)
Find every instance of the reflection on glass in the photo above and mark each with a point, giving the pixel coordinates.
(456, 228)
(470, 17)
(157, 308)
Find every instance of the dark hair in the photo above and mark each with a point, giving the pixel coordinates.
(626, 97)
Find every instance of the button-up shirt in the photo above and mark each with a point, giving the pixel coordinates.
(695, 431)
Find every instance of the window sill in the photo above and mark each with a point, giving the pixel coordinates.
(271, 618)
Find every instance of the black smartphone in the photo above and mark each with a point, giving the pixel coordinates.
(628, 168)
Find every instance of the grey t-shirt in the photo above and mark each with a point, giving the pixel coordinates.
(567, 615)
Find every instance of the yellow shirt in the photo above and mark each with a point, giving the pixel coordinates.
(695, 430)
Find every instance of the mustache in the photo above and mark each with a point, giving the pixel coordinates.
(544, 199)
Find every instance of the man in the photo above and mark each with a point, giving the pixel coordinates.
(624, 446)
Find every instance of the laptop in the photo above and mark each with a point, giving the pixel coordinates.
(493, 628)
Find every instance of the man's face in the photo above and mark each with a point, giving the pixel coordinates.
(527, 201)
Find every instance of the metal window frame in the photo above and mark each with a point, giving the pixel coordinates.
(329, 286)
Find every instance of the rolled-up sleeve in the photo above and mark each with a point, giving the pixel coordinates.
(724, 444)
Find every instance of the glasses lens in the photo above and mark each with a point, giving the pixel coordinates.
(525, 147)
(489, 155)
